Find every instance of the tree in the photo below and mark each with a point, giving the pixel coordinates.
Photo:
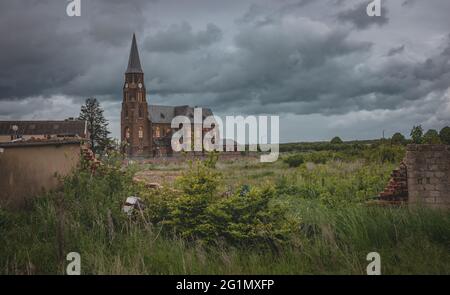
(97, 125)
(431, 137)
(398, 139)
(416, 134)
(444, 135)
(336, 140)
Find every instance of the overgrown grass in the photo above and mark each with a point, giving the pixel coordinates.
(333, 231)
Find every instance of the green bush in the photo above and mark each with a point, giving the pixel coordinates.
(444, 135)
(336, 140)
(251, 219)
(197, 211)
(431, 137)
(294, 160)
(385, 154)
(398, 139)
(319, 157)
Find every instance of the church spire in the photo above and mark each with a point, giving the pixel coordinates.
(134, 63)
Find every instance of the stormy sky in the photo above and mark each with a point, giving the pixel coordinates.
(323, 66)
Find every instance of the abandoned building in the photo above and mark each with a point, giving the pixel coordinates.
(146, 128)
(41, 130)
(34, 153)
(423, 177)
(30, 167)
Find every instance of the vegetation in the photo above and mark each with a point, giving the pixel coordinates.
(97, 125)
(398, 139)
(230, 217)
(431, 137)
(417, 134)
(336, 140)
(381, 154)
(444, 135)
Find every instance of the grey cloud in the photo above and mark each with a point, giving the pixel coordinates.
(113, 21)
(284, 57)
(408, 2)
(358, 17)
(396, 50)
(259, 14)
(180, 38)
(44, 51)
(295, 65)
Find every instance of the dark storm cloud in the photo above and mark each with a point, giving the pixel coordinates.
(35, 55)
(43, 51)
(181, 38)
(272, 56)
(273, 69)
(358, 17)
(396, 50)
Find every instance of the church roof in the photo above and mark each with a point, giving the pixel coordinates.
(134, 63)
(165, 114)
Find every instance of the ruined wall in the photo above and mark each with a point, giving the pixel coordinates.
(428, 168)
(397, 187)
(26, 171)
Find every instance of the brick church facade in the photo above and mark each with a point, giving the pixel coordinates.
(145, 128)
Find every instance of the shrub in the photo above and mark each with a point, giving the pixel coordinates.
(246, 218)
(336, 140)
(431, 137)
(444, 135)
(398, 139)
(294, 160)
(251, 219)
(319, 157)
(385, 154)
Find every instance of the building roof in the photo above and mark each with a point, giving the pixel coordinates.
(62, 128)
(31, 143)
(134, 62)
(164, 114)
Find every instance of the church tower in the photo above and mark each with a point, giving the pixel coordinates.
(135, 126)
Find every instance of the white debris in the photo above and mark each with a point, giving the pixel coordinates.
(130, 204)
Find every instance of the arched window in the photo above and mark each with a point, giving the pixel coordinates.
(157, 132)
(140, 112)
(141, 132)
(127, 133)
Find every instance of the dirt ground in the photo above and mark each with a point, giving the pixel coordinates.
(160, 177)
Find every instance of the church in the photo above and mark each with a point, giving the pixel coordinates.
(145, 128)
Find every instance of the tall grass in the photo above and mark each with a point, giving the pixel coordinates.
(85, 216)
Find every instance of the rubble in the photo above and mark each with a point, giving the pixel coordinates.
(131, 204)
(397, 187)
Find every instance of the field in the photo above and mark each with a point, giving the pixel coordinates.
(307, 213)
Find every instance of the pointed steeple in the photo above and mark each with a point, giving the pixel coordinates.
(134, 63)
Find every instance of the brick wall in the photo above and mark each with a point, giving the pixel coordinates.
(428, 175)
(397, 187)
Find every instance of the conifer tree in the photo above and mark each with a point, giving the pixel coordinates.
(97, 125)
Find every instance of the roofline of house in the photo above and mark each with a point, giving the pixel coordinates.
(32, 143)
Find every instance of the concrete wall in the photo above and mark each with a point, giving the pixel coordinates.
(5, 138)
(26, 171)
(428, 175)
